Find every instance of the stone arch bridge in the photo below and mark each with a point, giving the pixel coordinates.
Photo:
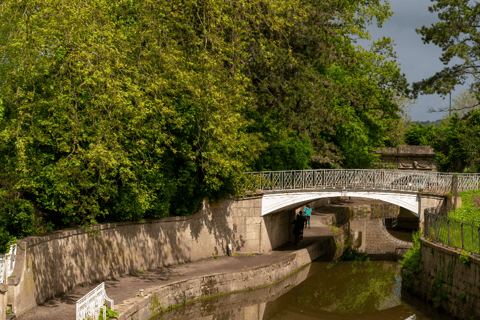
(412, 190)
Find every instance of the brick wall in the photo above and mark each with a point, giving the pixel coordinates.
(368, 232)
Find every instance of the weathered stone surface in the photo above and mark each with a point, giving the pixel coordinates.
(237, 282)
(408, 158)
(56, 263)
(446, 282)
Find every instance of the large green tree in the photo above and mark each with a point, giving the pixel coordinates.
(314, 81)
(119, 110)
(114, 111)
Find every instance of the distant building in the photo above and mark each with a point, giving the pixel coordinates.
(407, 158)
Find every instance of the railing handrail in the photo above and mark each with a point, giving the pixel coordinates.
(432, 221)
(7, 263)
(91, 303)
(412, 180)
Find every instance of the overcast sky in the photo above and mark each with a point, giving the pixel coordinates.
(417, 60)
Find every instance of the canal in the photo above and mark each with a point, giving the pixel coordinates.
(322, 290)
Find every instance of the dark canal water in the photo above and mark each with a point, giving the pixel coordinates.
(322, 290)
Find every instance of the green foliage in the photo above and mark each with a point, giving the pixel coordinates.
(292, 153)
(456, 35)
(351, 254)
(150, 107)
(449, 145)
(412, 258)
(110, 314)
(419, 135)
(464, 257)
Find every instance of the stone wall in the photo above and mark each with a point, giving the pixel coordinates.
(53, 264)
(407, 158)
(140, 308)
(368, 232)
(445, 282)
(276, 229)
(322, 202)
(379, 244)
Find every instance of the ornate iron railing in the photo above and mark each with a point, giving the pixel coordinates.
(7, 263)
(90, 304)
(423, 181)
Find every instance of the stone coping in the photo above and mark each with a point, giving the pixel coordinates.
(452, 251)
(64, 233)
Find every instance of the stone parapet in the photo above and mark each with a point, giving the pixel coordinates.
(407, 157)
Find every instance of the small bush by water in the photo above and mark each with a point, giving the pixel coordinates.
(411, 259)
(352, 254)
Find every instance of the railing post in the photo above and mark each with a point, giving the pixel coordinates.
(461, 232)
(436, 228)
(471, 228)
(448, 229)
(455, 190)
(421, 214)
(304, 176)
(478, 230)
(427, 230)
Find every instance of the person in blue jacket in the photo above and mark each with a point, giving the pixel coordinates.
(308, 213)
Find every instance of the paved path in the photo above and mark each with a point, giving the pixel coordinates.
(123, 288)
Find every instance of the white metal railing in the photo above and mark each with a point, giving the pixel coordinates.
(90, 304)
(7, 263)
(405, 180)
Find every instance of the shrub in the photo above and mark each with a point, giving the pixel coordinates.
(411, 259)
(110, 314)
(464, 257)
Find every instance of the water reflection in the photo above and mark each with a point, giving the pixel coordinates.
(367, 290)
(350, 287)
(340, 291)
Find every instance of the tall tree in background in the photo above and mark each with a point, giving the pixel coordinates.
(315, 82)
(457, 35)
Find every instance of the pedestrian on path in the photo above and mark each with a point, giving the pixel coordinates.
(298, 227)
(308, 213)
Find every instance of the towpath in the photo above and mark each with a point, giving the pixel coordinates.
(123, 289)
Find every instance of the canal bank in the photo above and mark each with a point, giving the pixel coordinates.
(199, 279)
(446, 279)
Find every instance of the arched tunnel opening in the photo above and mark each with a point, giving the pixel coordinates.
(381, 229)
(403, 226)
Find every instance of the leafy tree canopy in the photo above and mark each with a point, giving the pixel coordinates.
(113, 111)
(419, 135)
(457, 35)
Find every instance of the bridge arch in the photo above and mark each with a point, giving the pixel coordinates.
(279, 201)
